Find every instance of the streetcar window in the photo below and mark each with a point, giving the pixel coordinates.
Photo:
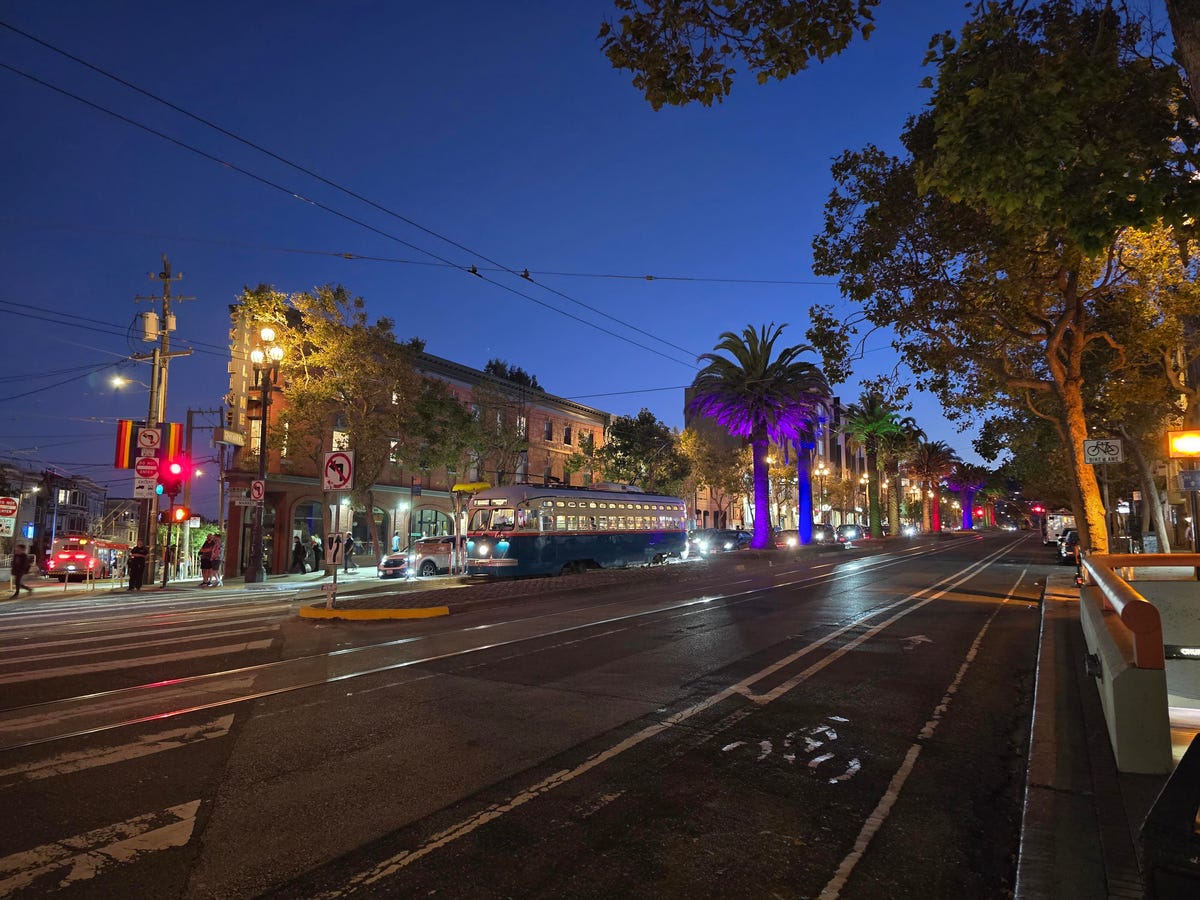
(603, 522)
(560, 523)
(524, 518)
(546, 522)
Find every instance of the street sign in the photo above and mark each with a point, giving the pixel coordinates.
(258, 490)
(1189, 480)
(338, 474)
(8, 507)
(143, 488)
(246, 501)
(149, 438)
(1106, 450)
(146, 466)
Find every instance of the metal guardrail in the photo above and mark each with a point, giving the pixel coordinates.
(1139, 616)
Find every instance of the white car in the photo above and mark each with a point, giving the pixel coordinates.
(431, 555)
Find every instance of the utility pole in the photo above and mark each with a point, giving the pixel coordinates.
(156, 327)
(185, 541)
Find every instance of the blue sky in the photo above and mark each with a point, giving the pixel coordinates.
(499, 126)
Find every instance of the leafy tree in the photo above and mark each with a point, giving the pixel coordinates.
(760, 397)
(642, 450)
(498, 368)
(583, 459)
(870, 423)
(502, 416)
(345, 365)
(682, 51)
(930, 462)
(995, 302)
(716, 465)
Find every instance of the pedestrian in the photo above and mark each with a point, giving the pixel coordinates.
(206, 561)
(299, 556)
(395, 542)
(348, 548)
(318, 550)
(138, 557)
(21, 563)
(217, 563)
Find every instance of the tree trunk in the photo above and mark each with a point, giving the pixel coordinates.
(935, 510)
(1093, 532)
(1151, 506)
(894, 498)
(873, 517)
(804, 499)
(1185, 27)
(762, 495)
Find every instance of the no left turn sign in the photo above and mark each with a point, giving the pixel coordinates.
(338, 474)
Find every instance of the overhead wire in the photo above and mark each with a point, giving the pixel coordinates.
(473, 269)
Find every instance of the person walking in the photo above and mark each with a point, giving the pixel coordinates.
(138, 557)
(299, 557)
(348, 548)
(318, 549)
(395, 542)
(206, 561)
(21, 563)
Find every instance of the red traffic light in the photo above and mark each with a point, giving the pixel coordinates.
(172, 475)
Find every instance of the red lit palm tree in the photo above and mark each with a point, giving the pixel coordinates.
(932, 461)
(760, 396)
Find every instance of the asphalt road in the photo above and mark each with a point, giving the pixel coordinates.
(849, 724)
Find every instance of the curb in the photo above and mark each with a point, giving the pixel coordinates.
(425, 612)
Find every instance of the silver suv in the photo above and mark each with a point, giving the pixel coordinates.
(431, 555)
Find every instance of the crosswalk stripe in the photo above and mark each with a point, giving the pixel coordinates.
(136, 663)
(86, 855)
(145, 745)
(14, 660)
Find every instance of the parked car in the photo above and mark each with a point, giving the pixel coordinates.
(1068, 547)
(848, 533)
(718, 540)
(823, 533)
(789, 539)
(910, 529)
(431, 555)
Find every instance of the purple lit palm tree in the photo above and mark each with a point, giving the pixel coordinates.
(968, 479)
(760, 399)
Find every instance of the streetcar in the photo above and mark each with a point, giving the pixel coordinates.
(78, 557)
(528, 529)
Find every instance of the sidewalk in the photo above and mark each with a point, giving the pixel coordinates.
(1079, 834)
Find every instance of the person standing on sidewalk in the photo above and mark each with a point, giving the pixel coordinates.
(138, 557)
(348, 548)
(20, 568)
(206, 561)
(299, 557)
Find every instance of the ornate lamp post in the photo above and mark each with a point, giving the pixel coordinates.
(265, 357)
(822, 472)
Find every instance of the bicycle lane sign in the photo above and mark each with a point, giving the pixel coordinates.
(1105, 450)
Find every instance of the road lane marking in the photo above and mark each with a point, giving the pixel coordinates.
(12, 660)
(145, 745)
(136, 663)
(874, 822)
(395, 863)
(86, 855)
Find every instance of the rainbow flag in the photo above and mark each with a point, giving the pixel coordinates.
(170, 442)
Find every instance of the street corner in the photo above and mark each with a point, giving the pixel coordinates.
(362, 615)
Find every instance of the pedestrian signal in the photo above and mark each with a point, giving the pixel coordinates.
(180, 514)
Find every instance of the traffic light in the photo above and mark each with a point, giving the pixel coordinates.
(180, 514)
(172, 475)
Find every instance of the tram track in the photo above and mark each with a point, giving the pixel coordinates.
(82, 715)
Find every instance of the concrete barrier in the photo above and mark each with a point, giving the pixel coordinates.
(1123, 633)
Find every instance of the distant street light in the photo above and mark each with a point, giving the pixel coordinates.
(265, 358)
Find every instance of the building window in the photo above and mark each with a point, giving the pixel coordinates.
(522, 425)
(546, 474)
(549, 433)
(567, 434)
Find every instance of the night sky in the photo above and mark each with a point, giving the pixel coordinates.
(486, 134)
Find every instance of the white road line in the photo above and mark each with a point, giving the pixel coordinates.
(147, 628)
(15, 661)
(85, 856)
(135, 663)
(879, 815)
(395, 863)
(145, 745)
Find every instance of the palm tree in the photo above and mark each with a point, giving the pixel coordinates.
(893, 450)
(932, 461)
(968, 479)
(869, 423)
(759, 397)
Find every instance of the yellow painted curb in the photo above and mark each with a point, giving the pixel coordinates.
(425, 612)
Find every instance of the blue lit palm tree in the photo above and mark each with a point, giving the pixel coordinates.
(760, 397)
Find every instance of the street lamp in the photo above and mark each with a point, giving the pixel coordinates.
(265, 358)
(822, 472)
